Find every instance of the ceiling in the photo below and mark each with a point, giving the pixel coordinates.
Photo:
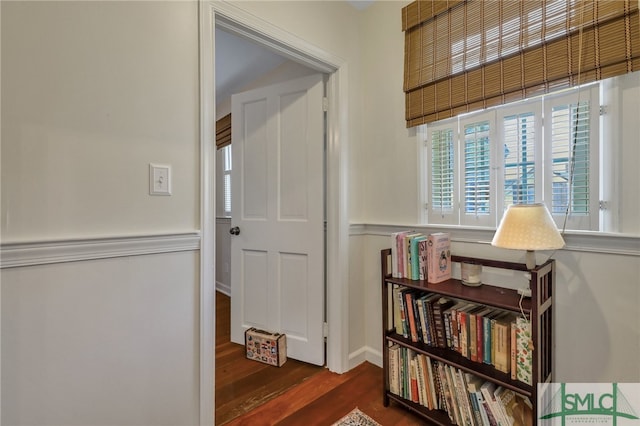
(240, 61)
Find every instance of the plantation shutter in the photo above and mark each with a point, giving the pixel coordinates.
(463, 56)
(519, 158)
(223, 131)
(442, 172)
(570, 130)
(477, 169)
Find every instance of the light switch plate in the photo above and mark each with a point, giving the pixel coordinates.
(159, 179)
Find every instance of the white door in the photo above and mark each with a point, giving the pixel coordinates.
(277, 258)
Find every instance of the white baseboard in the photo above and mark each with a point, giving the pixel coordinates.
(363, 354)
(223, 288)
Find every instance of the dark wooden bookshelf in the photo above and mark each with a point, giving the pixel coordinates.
(538, 308)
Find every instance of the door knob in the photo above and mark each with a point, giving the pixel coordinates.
(234, 231)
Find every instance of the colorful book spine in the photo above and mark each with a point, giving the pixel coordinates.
(413, 329)
(524, 363)
(414, 243)
(422, 253)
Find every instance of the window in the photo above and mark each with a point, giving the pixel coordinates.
(224, 179)
(540, 150)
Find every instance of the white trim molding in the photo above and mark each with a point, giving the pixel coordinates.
(206, 54)
(14, 255)
(238, 21)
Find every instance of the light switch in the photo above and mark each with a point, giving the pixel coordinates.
(159, 179)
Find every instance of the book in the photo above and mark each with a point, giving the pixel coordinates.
(428, 301)
(479, 317)
(433, 385)
(422, 318)
(487, 321)
(447, 391)
(504, 397)
(475, 333)
(438, 257)
(400, 255)
(452, 315)
(487, 389)
(401, 371)
(464, 329)
(407, 253)
(508, 401)
(473, 387)
(457, 395)
(415, 255)
(502, 360)
(524, 347)
(394, 372)
(394, 255)
(426, 382)
(439, 306)
(463, 397)
(422, 256)
(397, 314)
(514, 349)
(402, 312)
(413, 377)
(421, 380)
(409, 297)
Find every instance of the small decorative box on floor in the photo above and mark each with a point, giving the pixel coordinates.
(264, 346)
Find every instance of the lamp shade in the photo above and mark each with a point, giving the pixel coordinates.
(527, 227)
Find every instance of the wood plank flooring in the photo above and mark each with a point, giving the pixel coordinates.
(256, 394)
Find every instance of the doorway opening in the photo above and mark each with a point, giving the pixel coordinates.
(233, 19)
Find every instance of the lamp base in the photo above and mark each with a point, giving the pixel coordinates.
(530, 259)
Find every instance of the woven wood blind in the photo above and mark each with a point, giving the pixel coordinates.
(463, 56)
(223, 131)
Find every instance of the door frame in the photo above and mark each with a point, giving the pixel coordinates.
(234, 19)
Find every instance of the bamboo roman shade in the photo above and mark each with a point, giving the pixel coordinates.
(223, 131)
(462, 56)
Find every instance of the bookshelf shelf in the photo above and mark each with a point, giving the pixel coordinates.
(538, 309)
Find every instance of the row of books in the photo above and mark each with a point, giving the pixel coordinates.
(421, 257)
(467, 399)
(477, 332)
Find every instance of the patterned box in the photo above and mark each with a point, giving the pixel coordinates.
(264, 346)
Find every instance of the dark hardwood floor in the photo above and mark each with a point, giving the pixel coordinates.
(252, 393)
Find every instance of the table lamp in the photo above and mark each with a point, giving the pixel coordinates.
(528, 227)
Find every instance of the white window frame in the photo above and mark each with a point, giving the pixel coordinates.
(222, 171)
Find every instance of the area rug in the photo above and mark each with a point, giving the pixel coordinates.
(356, 418)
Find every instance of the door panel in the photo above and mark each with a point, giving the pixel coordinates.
(277, 259)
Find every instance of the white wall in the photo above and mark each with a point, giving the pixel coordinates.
(597, 294)
(92, 92)
(110, 342)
